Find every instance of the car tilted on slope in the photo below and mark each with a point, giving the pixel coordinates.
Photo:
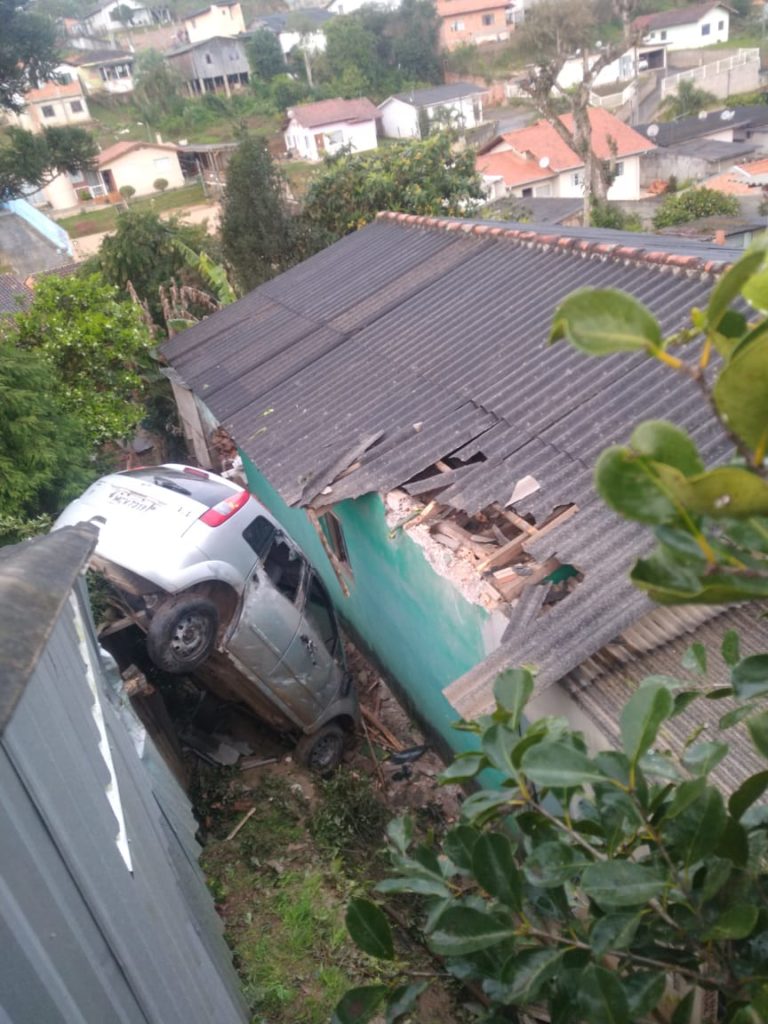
(222, 591)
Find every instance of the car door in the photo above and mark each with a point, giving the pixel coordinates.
(270, 627)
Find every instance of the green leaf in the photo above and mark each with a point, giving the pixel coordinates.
(644, 991)
(630, 484)
(749, 791)
(730, 648)
(684, 1009)
(621, 883)
(664, 442)
(552, 863)
(662, 766)
(741, 393)
(728, 491)
(400, 833)
(459, 844)
(359, 1004)
(494, 867)
(369, 929)
(749, 677)
(719, 870)
(695, 659)
(526, 974)
(602, 997)
(731, 284)
(641, 718)
(603, 321)
(462, 930)
(696, 831)
(614, 931)
(403, 1000)
(498, 743)
(734, 716)
(465, 766)
(512, 690)
(416, 884)
(702, 757)
(558, 766)
(758, 730)
(736, 922)
(480, 807)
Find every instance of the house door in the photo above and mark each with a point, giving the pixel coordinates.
(109, 181)
(320, 143)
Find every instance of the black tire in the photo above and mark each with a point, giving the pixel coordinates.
(182, 633)
(323, 750)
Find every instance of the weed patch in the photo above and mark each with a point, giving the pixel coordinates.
(350, 819)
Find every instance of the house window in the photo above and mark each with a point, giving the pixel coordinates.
(527, 193)
(331, 527)
(576, 179)
(663, 35)
(488, 19)
(76, 107)
(720, 26)
(619, 168)
(457, 26)
(162, 166)
(706, 29)
(48, 111)
(335, 138)
(208, 59)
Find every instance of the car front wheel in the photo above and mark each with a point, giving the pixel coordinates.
(182, 633)
(322, 751)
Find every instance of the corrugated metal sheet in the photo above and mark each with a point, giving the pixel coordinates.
(438, 349)
(85, 939)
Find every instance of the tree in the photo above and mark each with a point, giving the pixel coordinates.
(682, 207)
(413, 31)
(623, 886)
(29, 162)
(28, 51)
(45, 455)
(257, 233)
(142, 254)
(265, 55)
(157, 86)
(122, 14)
(688, 100)
(421, 177)
(98, 346)
(351, 46)
(553, 32)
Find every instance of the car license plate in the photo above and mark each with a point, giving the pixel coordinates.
(132, 500)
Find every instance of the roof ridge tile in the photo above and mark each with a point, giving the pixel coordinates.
(605, 250)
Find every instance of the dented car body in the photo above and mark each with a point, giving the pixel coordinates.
(223, 593)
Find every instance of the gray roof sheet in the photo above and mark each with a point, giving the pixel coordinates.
(427, 338)
(438, 94)
(14, 294)
(752, 115)
(712, 149)
(537, 210)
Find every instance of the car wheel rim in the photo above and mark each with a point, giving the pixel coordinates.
(325, 752)
(190, 637)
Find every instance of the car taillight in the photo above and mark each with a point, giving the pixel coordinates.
(225, 509)
(199, 473)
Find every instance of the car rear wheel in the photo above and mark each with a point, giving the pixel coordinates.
(182, 633)
(322, 751)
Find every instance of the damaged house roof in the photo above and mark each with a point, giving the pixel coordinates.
(416, 340)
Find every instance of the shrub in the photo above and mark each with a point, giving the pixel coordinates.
(696, 202)
(83, 194)
(160, 184)
(127, 192)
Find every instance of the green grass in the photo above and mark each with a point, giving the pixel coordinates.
(105, 218)
(299, 175)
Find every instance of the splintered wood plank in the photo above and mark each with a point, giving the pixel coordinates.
(513, 588)
(514, 547)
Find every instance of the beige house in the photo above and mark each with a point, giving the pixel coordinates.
(220, 19)
(105, 70)
(140, 165)
(53, 106)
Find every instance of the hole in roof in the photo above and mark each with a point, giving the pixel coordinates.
(560, 583)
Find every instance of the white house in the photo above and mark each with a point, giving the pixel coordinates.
(103, 19)
(105, 70)
(536, 162)
(686, 27)
(408, 115)
(315, 129)
(220, 19)
(302, 26)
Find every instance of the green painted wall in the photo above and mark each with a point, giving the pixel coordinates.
(416, 624)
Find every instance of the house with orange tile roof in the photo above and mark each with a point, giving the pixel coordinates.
(473, 21)
(53, 105)
(536, 161)
(746, 179)
(327, 126)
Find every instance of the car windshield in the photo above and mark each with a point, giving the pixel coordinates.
(201, 488)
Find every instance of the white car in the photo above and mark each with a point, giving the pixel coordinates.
(209, 575)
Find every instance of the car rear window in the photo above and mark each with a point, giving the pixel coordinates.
(203, 489)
